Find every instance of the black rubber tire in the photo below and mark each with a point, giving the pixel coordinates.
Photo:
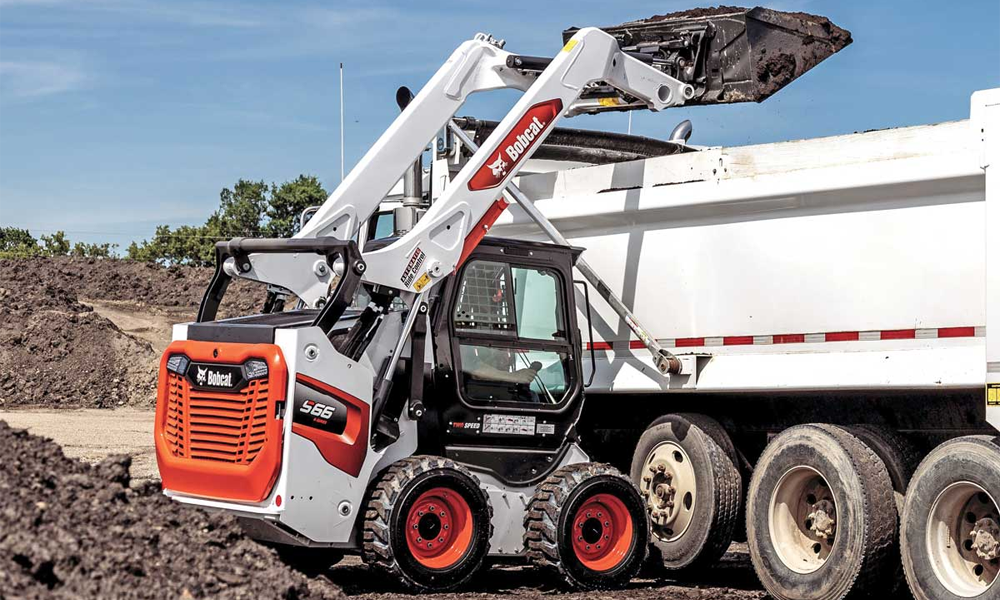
(897, 452)
(863, 553)
(720, 491)
(971, 458)
(384, 544)
(309, 561)
(900, 457)
(548, 525)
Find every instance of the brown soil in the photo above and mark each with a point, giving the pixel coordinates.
(71, 530)
(694, 13)
(56, 350)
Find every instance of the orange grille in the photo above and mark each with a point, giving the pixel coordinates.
(228, 427)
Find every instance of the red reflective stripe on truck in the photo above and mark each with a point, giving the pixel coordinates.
(948, 332)
(804, 338)
(899, 334)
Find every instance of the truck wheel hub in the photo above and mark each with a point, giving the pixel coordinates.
(986, 539)
(668, 485)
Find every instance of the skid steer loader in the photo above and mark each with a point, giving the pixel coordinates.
(419, 405)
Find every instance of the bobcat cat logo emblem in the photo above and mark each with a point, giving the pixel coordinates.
(202, 375)
(498, 167)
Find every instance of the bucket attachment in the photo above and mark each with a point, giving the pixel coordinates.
(729, 54)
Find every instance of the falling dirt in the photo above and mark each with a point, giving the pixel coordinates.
(72, 530)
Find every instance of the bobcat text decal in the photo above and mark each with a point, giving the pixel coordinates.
(516, 145)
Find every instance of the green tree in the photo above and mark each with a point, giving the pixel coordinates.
(93, 250)
(241, 209)
(287, 202)
(55, 244)
(17, 243)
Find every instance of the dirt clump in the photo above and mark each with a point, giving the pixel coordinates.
(71, 530)
(694, 13)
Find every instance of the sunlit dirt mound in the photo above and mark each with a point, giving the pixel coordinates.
(55, 350)
(70, 530)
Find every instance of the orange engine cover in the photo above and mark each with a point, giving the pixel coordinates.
(217, 432)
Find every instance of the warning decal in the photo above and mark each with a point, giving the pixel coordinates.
(993, 394)
(413, 267)
(509, 424)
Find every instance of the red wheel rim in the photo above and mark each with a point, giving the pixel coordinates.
(602, 532)
(439, 528)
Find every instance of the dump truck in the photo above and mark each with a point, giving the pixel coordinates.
(594, 351)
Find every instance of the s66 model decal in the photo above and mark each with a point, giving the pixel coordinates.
(318, 410)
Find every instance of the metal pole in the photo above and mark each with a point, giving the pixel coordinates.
(664, 360)
(342, 121)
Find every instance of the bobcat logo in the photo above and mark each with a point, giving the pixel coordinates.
(499, 167)
(202, 375)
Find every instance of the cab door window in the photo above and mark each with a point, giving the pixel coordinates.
(510, 326)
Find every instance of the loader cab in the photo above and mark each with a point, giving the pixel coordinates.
(506, 387)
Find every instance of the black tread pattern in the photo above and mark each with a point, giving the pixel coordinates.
(728, 490)
(377, 552)
(880, 510)
(900, 455)
(541, 521)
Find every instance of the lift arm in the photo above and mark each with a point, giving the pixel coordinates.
(471, 203)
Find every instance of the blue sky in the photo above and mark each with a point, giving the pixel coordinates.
(117, 115)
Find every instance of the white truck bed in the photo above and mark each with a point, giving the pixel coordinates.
(854, 261)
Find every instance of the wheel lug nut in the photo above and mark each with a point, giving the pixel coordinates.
(579, 538)
(414, 525)
(607, 524)
(442, 513)
(419, 539)
(444, 527)
(441, 540)
(430, 545)
(647, 478)
(661, 468)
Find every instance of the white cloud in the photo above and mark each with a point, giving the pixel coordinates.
(33, 79)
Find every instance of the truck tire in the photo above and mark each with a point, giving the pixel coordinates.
(950, 538)
(821, 520)
(899, 455)
(428, 524)
(586, 523)
(686, 468)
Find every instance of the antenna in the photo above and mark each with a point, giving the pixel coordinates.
(342, 121)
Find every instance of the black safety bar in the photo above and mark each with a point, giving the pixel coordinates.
(330, 248)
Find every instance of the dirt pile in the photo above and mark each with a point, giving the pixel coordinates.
(143, 283)
(57, 351)
(70, 530)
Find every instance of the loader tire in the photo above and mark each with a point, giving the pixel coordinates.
(704, 486)
(428, 524)
(950, 538)
(587, 525)
(821, 519)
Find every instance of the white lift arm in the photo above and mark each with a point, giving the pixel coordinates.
(466, 209)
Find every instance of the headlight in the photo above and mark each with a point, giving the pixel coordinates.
(254, 369)
(178, 363)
